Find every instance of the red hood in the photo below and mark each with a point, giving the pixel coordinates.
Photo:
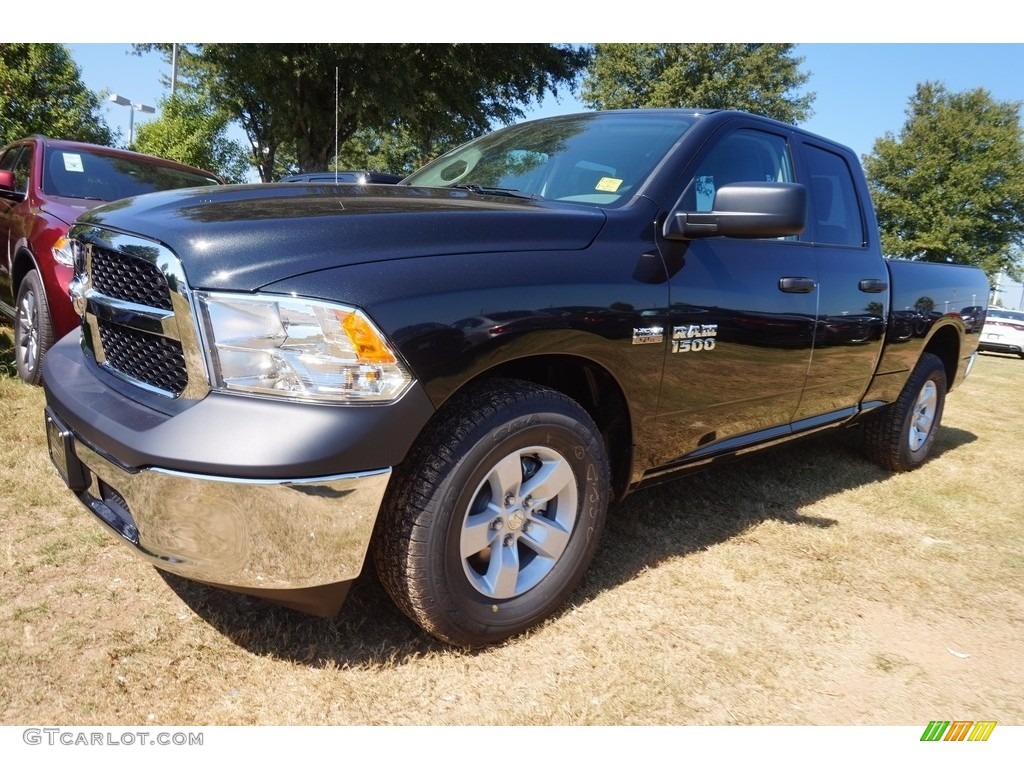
(67, 209)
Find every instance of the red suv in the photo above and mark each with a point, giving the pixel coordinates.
(44, 185)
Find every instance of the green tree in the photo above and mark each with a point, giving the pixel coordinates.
(763, 78)
(391, 150)
(462, 91)
(191, 131)
(950, 187)
(41, 91)
(283, 94)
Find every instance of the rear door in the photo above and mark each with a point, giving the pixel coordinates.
(853, 290)
(17, 159)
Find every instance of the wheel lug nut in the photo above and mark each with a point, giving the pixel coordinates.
(528, 501)
(498, 524)
(509, 540)
(510, 499)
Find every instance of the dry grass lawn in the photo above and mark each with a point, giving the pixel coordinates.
(801, 586)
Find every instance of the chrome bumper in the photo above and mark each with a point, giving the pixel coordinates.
(252, 535)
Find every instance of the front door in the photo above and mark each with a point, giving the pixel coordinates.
(18, 160)
(741, 317)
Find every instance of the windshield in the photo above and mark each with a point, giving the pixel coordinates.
(93, 176)
(595, 158)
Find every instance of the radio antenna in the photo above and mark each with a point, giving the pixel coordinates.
(335, 125)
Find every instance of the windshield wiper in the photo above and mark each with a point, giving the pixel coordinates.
(499, 191)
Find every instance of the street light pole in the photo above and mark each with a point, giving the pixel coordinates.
(134, 107)
(174, 67)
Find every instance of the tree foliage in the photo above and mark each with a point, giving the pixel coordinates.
(391, 150)
(463, 90)
(950, 187)
(41, 91)
(435, 95)
(192, 131)
(763, 78)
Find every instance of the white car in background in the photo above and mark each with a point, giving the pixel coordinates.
(1003, 331)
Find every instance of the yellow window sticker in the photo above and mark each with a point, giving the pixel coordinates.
(73, 162)
(608, 184)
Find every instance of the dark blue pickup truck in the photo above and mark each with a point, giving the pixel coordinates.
(455, 375)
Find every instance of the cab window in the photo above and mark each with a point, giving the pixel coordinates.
(835, 216)
(744, 155)
(18, 160)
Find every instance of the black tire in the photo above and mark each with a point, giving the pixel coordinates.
(466, 491)
(900, 437)
(33, 330)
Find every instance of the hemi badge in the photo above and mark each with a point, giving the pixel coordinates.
(654, 335)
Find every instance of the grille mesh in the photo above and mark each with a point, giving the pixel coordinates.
(129, 279)
(154, 360)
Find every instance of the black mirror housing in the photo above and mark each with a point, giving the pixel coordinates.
(745, 209)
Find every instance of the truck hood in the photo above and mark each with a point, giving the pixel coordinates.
(243, 237)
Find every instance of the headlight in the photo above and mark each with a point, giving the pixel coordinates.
(63, 253)
(298, 348)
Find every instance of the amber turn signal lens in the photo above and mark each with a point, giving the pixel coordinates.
(370, 348)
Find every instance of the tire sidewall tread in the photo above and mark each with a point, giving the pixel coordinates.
(424, 510)
(886, 434)
(44, 327)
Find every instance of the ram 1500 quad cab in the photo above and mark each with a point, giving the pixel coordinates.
(456, 374)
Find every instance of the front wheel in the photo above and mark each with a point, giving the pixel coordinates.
(495, 515)
(901, 436)
(33, 331)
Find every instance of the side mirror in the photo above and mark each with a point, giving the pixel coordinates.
(745, 209)
(7, 181)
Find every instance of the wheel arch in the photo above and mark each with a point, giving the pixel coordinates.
(945, 344)
(592, 386)
(24, 262)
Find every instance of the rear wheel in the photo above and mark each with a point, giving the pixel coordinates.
(901, 436)
(495, 515)
(33, 331)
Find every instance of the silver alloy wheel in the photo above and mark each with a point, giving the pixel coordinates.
(27, 332)
(494, 515)
(924, 415)
(519, 522)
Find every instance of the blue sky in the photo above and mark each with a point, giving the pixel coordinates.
(861, 89)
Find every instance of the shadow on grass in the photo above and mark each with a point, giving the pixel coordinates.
(674, 519)
(369, 631)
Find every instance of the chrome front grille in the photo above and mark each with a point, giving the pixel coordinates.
(137, 312)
